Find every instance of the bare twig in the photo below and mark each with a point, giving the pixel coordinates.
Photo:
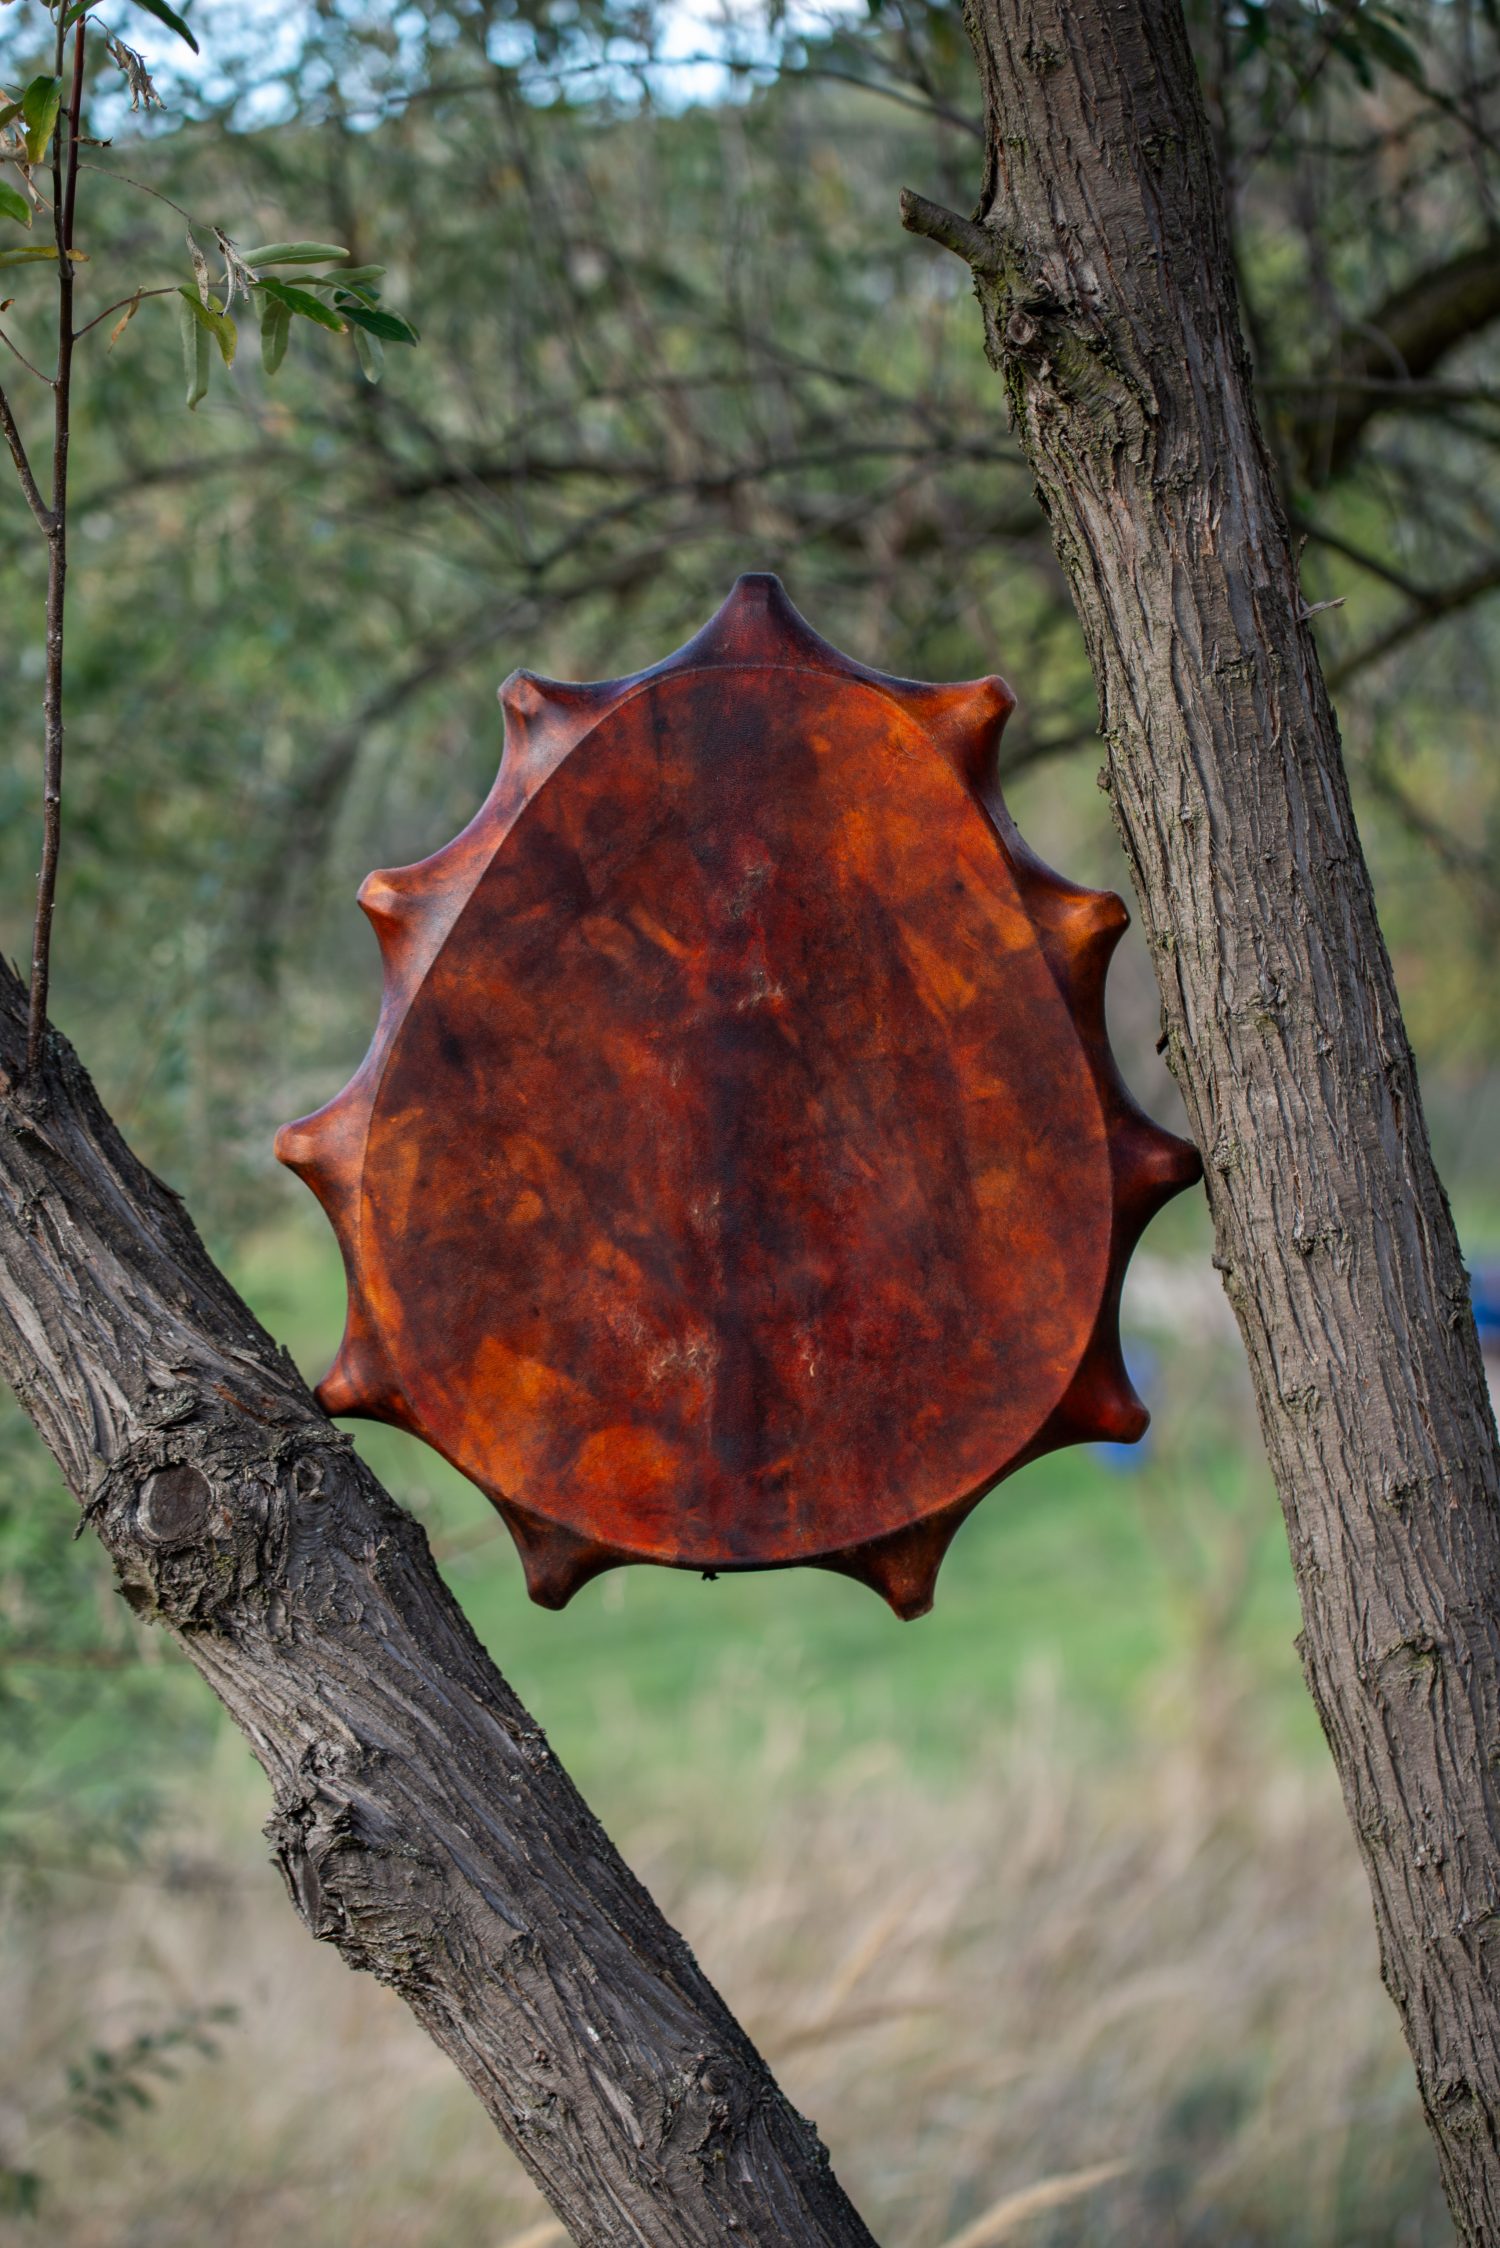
(18, 454)
(16, 351)
(1392, 390)
(136, 296)
(1472, 864)
(124, 179)
(1442, 601)
(64, 204)
(1377, 566)
(975, 244)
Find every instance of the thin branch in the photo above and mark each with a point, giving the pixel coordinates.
(136, 296)
(124, 179)
(1033, 749)
(1357, 555)
(975, 244)
(1332, 30)
(706, 482)
(1460, 858)
(925, 107)
(386, 105)
(1443, 601)
(16, 350)
(1390, 390)
(1382, 360)
(64, 204)
(29, 486)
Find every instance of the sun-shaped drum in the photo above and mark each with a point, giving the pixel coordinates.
(739, 1175)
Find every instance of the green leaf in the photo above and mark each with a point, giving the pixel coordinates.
(170, 18)
(30, 255)
(39, 107)
(9, 113)
(214, 319)
(275, 333)
(370, 352)
(197, 358)
(1391, 47)
(382, 324)
(1343, 43)
(355, 273)
(79, 8)
(293, 253)
(14, 204)
(298, 300)
(20, 2192)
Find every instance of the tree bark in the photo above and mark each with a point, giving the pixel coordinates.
(1102, 271)
(421, 1822)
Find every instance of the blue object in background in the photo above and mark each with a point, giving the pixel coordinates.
(1484, 1284)
(1129, 1459)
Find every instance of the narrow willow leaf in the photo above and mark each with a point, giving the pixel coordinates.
(170, 18)
(9, 113)
(298, 300)
(370, 352)
(124, 321)
(275, 333)
(27, 256)
(197, 358)
(79, 8)
(39, 107)
(212, 317)
(1392, 48)
(383, 324)
(293, 253)
(350, 274)
(14, 204)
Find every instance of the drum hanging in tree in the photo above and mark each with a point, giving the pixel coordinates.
(739, 1175)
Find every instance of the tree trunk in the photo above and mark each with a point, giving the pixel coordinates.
(1102, 270)
(421, 1821)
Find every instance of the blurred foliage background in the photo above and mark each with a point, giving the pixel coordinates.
(1044, 1905)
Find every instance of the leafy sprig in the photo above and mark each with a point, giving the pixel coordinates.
(322, 291)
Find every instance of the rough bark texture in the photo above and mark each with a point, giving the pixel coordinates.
(421, 1821)
(1103, 275)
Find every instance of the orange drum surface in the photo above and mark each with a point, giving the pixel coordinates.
(739, 1176)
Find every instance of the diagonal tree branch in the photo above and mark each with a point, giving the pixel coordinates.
(421, 1822)
(1427, 608)
(19, 455)
(1400, 341)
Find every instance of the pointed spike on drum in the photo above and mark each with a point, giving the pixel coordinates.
(387, 898)
(740, 1176)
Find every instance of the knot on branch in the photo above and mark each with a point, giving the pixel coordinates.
(193, 1525)
(354, 1875)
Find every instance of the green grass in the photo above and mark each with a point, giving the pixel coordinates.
(1110, 1578)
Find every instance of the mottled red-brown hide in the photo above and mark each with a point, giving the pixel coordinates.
(739, 1175)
